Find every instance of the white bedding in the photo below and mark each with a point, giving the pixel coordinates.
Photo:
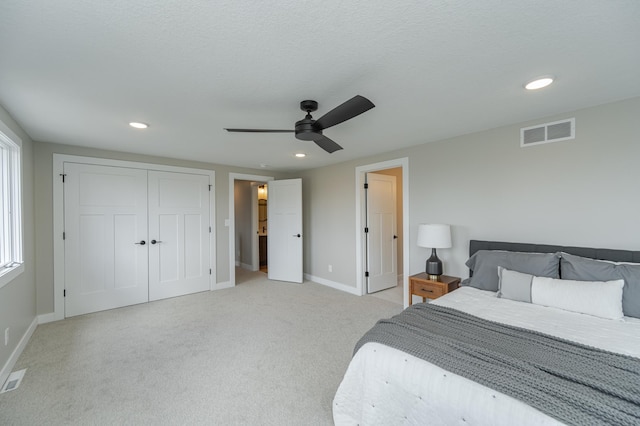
(385, 386)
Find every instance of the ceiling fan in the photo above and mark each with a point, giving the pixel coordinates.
(309, 129)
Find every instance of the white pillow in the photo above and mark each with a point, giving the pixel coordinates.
(598, 298)
(514, 285)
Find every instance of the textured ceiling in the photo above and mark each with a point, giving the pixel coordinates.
(76, 72)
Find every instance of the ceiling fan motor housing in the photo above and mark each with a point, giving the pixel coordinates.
(306, 131)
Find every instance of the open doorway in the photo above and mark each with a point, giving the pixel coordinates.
(383, 240)
(285, 227)
(382, 225)
(247, 232)
(263, 228)
(251, 227)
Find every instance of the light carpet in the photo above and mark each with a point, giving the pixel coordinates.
(261, 353)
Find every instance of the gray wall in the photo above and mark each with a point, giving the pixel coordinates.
(18, 298)
(578, 192)
(328, 211)
(44, 208)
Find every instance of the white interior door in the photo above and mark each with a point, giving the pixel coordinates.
(284, 244)
(105, 225)
(178, 234)
(382, 263)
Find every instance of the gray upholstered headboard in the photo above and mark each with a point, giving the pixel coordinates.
(593, 253)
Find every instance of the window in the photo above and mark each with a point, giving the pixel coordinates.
(10, 206)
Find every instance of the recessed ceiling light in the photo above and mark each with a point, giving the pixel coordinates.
(301, 155)
(539, 83)
(138, 125)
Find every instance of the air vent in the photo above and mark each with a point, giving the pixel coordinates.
(13, 381)
(549, 132)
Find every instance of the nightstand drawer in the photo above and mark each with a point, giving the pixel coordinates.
(429, 290)
(421, 285)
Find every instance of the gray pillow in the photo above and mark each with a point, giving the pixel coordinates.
(484, 264)
(584, 269)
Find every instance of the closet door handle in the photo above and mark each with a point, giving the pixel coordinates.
(143, 242)
(296, 235)
(155, 242)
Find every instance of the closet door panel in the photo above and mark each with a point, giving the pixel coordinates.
(179, 223)
(106, 266)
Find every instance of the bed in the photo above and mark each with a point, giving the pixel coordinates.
(571, 306)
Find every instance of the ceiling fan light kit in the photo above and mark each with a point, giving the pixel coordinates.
(309, 129)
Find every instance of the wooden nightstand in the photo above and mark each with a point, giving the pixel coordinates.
(421, 285)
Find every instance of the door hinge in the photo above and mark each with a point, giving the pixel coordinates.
(366, 186)
(209, 187)
(366, 274)
(366, 230)
(63, 175)
(64, 293)
(64, 235)
(209, 271)
(209, 229)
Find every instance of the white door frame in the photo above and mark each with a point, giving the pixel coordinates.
(58, 217)
(232, 221)
(361, 287)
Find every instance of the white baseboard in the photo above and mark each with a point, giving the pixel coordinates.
(247, 267)
(45, 318)
(8, 366)
(333, 284)
(220, 286)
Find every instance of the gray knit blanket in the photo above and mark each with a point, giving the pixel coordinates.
(573, 383)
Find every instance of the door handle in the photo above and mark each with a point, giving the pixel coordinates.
(296, 235)
(155, 242)
(395, 237)
(143, 242)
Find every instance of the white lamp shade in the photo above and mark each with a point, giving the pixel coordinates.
(434, 236)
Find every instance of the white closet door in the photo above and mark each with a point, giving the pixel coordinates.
(105, 227)
(178, 234)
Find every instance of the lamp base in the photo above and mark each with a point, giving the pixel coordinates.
(434, 277)
(434, 265)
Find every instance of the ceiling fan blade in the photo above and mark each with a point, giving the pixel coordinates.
(351, 108)
(259, 130)
(327, 144)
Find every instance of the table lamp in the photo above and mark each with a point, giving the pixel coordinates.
(434, 236)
